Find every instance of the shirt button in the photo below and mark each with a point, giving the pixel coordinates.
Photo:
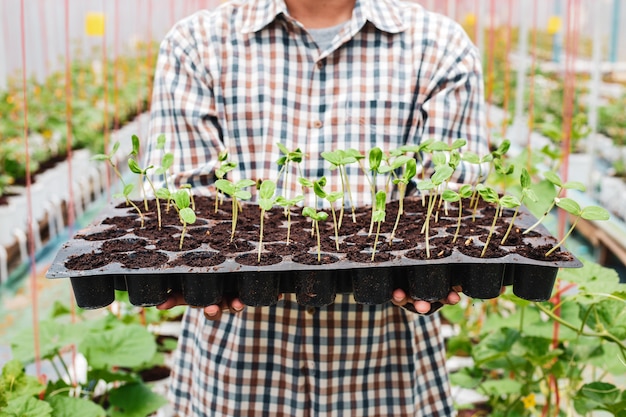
(320, 64)
(311, 310)
(317, 124)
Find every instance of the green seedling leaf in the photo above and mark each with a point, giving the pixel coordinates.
(163, 193)
(524, 179)
(160, 142)
(595, 213)
(225, 186)
(135, 141)
(510, 201)
(334, 196)
(575, 185)
(134, 166)
(375, 158)
(450, 196)
(15, 383)
(182, 199)
(116, 147)
(568, 205)
(458, 143)
(465, 191)
(442, 174)
(470, 157)
(553, 178)
(267, 190)
(188, 215)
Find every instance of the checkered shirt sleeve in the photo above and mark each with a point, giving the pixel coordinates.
(242, 78)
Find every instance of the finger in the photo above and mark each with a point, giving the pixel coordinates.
(421, 306)
(213, 312)
(399, 297)
(452, 299)
(235, 305)
(173, 299)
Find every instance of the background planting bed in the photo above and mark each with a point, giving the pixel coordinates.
(150, 267)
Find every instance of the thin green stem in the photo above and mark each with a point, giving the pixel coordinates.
(261, 236)
(569, 232)
(506, 235)
(376, 241)
(491, 229)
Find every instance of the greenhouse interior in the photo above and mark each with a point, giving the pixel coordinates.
(76, 94)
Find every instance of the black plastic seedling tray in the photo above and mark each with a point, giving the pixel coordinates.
(223, 272)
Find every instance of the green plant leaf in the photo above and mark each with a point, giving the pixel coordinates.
(134, 400)
(26, 406)
(188, 215)
(116, 146)
(334, 196)
(74, 407)
(524, 179)
(125, 346)
(595, 396)
(128, 188)
(595, 213)
(15, 383)
(498, 387)
(470, 157)
(568, 205)
(243, 194)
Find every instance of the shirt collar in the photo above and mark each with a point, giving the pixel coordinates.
(386, 15)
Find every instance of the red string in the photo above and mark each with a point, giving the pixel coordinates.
(507, 68)
(29, 202)
(68, 144)
(105, 79)
(531, 86)
(149, 55)
(116, 44)
(44, 35)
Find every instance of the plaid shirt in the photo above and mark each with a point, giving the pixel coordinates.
(241, 78)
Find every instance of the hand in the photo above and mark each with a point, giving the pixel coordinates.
(423, 307)
(212, 312)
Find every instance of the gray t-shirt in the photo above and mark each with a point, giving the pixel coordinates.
(324, 37)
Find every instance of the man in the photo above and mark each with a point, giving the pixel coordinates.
(316, 75)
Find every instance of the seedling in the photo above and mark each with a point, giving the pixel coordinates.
(375, 158)
(409, 172)
(126, 191)
(188, 188)
(266, 202)
(331, 198)
(587, 213)
(338, 160)
(287, 158)
(527, 192)
(288, 204)
(379, 217)
(142, 172)
(166, 163)
(418, 150)
(491, 196)
(126, 188)
(185, 213)
(554, 179)
(220, 172)
(237, 192)
(451, 196)
(431, 184)
(316, 217)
